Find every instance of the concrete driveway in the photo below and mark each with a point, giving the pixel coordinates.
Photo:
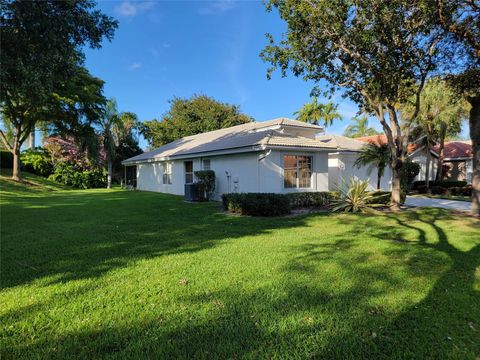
(437, 203)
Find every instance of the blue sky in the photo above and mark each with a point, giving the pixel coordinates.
(164, 49)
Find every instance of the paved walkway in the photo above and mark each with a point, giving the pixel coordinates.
(438, 203)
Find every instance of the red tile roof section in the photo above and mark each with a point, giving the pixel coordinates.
(382, 140)
(453, 149)
(457, 149)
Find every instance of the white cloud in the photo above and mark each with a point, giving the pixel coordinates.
(217, 7)
(132, 8)
(135, 66)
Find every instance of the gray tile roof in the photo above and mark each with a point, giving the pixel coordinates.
(341, 142)
(254, 134)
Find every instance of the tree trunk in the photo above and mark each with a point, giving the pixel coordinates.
(427, 167)
(16, 164)
(379, 179)
(396, 184)
(475, 136)
(441, 151)
(16, 154)
(109, 176)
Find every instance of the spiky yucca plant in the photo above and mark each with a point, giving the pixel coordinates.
(354, 196)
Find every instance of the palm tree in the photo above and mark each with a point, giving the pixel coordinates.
(359, 128)
(374, 155)
(111, 127)
(313, 112)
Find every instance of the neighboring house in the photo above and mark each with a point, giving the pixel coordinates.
(457, 158)
(341, 164)
(278, 156)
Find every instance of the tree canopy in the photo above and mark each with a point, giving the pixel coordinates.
(42, 49)
(359, 128)
(192, 116)
(380, 53)
(315, 112)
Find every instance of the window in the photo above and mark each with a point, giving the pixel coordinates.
(206, 164)
(297, 171)
(167, 173)
(188, 172)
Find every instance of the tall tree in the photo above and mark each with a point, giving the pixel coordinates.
(460, 19)
(377, 156)
(127, 144)
(359, 128)
(379, 52)
(43, 42)
(74, 110)
(111, 127)
(190, 117)
(315, 112)
(441, 114)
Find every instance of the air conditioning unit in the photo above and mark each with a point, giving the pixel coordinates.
(194, 192)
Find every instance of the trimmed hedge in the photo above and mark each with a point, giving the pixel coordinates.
(462, 191)
(440, 190)
(311, 199)
(6, 159)
(269, 204)
(420, 185)
(256, 204)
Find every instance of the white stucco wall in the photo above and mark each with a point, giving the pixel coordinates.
(469, 165)
(247, 172)
(341, 165)
(421, 158)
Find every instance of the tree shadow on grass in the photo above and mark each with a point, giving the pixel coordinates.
(292, 318)
(84, 235)
(446, 323)
(326, 303)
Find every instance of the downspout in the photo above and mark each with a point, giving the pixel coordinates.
(260, 158)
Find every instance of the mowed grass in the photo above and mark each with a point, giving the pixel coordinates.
(127, 274)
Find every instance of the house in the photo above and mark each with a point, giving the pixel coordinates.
(458, 160)
(458, 157)
(279, 156)
(341, 164)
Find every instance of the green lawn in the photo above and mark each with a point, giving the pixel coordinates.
(123, 274)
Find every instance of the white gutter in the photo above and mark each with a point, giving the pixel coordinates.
(197, 155)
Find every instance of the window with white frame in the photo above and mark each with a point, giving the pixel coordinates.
(188, 172)
(297, 171)
(206, 164)
(167, 173)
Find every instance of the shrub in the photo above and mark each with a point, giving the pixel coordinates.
(256, 204)
(66, 173)
(381, 198)
(438, 190)
(461, 191)
(206, 180)
(443, 183)
(37, 161)
(409, 172)
(311, 199)
(354, 197)
(6, 159)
